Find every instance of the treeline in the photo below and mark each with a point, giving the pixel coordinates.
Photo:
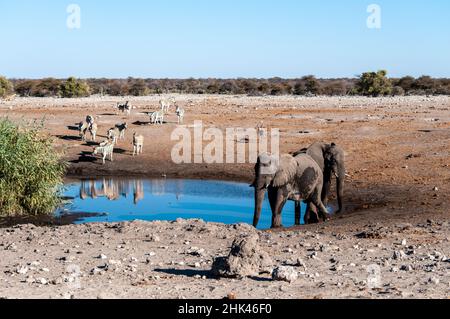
(368, 84)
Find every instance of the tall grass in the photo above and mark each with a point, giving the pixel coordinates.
(31, 172)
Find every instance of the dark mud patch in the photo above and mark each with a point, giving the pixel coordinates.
(47, 220)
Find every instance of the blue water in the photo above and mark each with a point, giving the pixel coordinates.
(116, 200)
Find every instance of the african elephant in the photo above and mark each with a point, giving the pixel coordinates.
(331, 160)
(287, 178)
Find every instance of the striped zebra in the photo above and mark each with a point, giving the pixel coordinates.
(106, 149)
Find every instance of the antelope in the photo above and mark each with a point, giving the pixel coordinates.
(105, 149)
(138, 144)
(180, 114)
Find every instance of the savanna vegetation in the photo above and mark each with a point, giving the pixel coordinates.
(368, 84)
(31, 172)
(6, 87)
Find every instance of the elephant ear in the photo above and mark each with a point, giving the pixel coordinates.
(286, 172)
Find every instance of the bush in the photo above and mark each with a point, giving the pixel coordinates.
(74, 88)
(31, 173)
(398, 91)
(6, 87)
(374, 84)
(46, 87)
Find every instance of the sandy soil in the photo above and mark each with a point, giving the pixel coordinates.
(397, 192)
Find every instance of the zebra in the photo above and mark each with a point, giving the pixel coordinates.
(83, 127)
(157, 117)
(125, 108)
(166, 104)
(121, 128)
(180, 114)
(90, 119)
(88, 125)
(138, 144)
(105, 149)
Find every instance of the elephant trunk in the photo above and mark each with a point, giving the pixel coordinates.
(259, 198)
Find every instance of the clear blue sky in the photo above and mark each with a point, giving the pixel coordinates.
(223, 38)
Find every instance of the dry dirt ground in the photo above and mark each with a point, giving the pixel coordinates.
(397, 199)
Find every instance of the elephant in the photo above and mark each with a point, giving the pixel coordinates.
(331, 160)
(286, 177)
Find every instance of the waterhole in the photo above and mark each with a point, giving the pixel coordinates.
(117, 200)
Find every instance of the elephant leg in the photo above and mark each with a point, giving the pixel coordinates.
(326, 186)
(297, 212)
(321, 209)
(276, 213)
(311, 216)
(272, 195)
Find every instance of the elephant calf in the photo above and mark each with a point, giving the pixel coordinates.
(287, 178)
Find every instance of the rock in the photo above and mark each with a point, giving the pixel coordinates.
(284, 273)
(336, 267)
(245, 259)
(434, 280)
(406, 268)
(231, 296)
(195, 251)
(42, 281)
(300, 263)
(101, 256)
(153, 238)
(399, 255)
(22, 270)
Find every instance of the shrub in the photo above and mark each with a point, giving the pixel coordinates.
(47, 87)
(74, 88)
(374, 84)
(398, 91)
(6, 87)
(31, 173)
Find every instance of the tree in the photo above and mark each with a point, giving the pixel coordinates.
(73, 88)
(25, 88)
(6, 87)
(312, 85)
(425, 84)
(406, 83)
(374, 84)
(138, 87)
